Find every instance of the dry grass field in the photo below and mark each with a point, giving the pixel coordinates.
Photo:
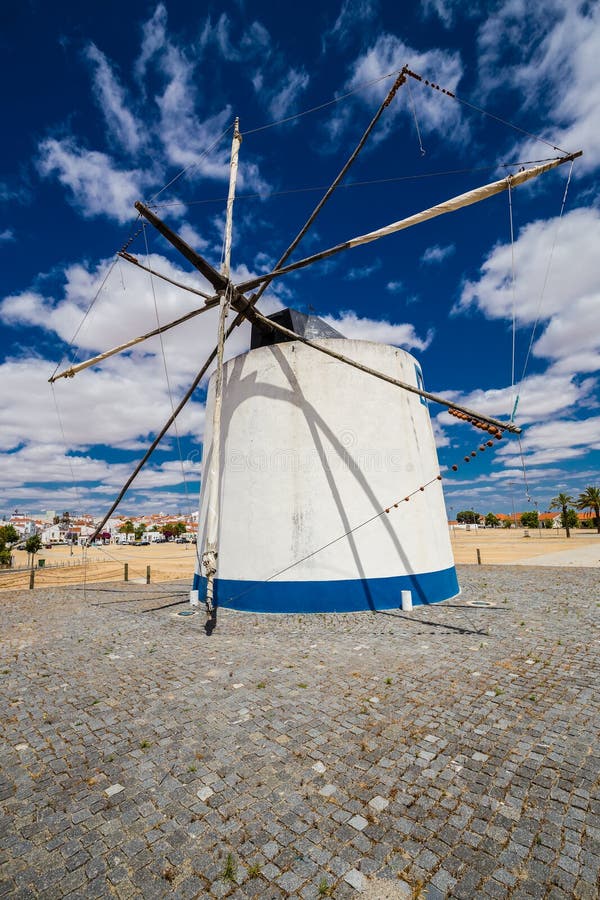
(506, 546)
(170, 561)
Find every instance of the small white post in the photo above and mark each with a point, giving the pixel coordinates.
(407, 601)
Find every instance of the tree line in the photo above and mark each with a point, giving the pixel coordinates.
(588, 499)
(171, 529)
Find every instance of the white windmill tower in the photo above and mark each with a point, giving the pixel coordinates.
(321, 488)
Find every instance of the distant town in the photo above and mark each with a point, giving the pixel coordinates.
(71, 528)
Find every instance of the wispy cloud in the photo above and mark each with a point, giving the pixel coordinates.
(185, 138)
(548, 287)
(379, 330)
(254, 40)
(560, 77)
(14, 194)
(353, 15)
(389, 54)
(554, 441)
(286, 94)
(110, 95)
(361, 272)
(445, 10)
(7, 236)
(97, 187)
(437, 254)
(154, 35)
(542, 396)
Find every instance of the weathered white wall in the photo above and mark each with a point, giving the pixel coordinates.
(311, 448)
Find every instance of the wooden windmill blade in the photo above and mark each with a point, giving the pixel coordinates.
(94, 360)
(244, 306)
(452, 205)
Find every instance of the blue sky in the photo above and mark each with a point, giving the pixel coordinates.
(108, 103)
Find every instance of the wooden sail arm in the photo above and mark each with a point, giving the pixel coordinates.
(435, 398)
(73, 370)
(202, 265)
(451, 205)
(184, 287)
(241, 304)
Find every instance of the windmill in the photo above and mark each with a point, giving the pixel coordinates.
(315, 442)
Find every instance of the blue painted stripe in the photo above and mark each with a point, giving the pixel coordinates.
(353, 595)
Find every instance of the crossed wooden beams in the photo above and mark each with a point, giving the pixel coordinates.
(245, 306)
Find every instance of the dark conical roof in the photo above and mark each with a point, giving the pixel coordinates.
(307, 326)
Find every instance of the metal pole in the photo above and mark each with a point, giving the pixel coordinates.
(211, 549)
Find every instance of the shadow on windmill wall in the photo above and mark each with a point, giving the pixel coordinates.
(328, 452)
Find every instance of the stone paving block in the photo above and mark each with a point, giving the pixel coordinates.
(356, 879)
(446, 773)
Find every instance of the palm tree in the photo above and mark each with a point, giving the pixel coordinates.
(562, 502)
(590, 499)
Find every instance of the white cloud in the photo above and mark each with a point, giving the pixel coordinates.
(555, 441)
(361, 272)
(437, 254)
(436, 114)
(39, 471)
(566, 296)
(541, 396)
(353, 14)
(443, 9)
(110, 95)
(153, 39)
(560, 74)
(7, 236)
(283, 99)
(133, 383)
(379, 330)
(254, 40)
(129, 400)
(185, 138)
(192, 237)
(97, 188)
(394, 287)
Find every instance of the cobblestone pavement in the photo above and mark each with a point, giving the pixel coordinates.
(448, 752)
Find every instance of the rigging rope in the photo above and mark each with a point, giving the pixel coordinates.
(547, 274)
(341, 537)
(350, 531)
(514, 316)
(537, 318)
(67, 457)
(353, 184)
(196, 162)
(164, 359)
(414, 112)
(313, 109)
(420, 79)
(86, 314)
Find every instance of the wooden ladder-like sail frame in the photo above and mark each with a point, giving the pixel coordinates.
(244, 305)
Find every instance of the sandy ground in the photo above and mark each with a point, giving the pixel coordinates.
(170, 561)
(526, 547)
